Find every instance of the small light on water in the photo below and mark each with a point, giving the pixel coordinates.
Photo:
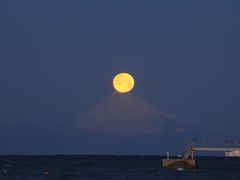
(180, 169)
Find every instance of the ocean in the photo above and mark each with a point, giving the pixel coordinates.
(84, 167)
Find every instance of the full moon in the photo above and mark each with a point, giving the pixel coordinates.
(123, 83)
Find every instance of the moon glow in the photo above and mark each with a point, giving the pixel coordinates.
(123, 83)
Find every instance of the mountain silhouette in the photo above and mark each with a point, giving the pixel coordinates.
(127, 115)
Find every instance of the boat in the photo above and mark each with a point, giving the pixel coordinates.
(234, 153)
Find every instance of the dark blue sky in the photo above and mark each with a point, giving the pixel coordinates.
(58, 58)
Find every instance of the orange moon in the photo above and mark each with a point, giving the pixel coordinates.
(123, 83)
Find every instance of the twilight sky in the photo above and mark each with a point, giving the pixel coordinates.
(58, 58)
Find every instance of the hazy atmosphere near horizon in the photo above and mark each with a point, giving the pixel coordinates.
(58, 60)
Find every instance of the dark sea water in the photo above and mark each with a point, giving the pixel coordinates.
(112, 167)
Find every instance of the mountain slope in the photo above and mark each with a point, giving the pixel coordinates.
(126, 115)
